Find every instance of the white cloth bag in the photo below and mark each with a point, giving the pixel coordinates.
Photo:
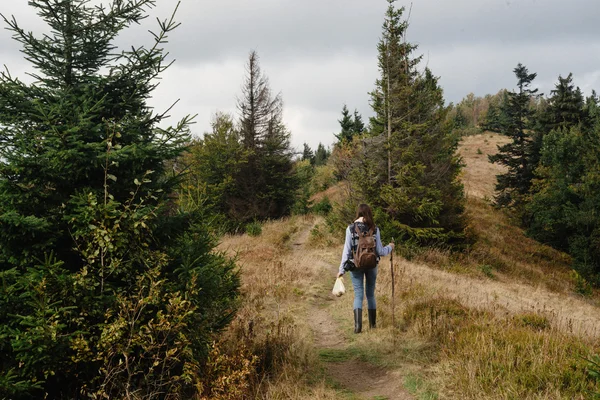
(338, 288)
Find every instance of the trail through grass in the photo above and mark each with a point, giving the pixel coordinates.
(501, 322)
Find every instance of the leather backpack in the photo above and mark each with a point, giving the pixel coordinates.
(365, 255)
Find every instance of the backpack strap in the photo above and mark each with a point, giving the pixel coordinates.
(358, 231)
(355, 234)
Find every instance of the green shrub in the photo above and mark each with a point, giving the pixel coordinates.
(254, 228)
(468, 131)
(534, 321)
(582, 286)
(324, 177)
(487, 270)
(323, 207)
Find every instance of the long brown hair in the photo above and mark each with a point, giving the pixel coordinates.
(365, 212)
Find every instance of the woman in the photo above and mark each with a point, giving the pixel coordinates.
(364, 221)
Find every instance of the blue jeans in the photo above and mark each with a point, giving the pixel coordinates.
(358, 278)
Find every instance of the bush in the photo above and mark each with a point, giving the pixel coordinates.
(134, 320)
(254, 228)
(323, 178)
(323, 207)
(304, 172)
(468, 131)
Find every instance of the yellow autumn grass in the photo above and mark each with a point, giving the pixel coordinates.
(277, 284)
(500, 322)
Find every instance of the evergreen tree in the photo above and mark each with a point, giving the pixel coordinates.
(266, 184)
(213, 164)
(358, 126)
(494, 121)
(322, 155)
(307, 154)
(513, 186)
(459, 121)
(566, 198)
(565, 109)
(409, 172)
(592, 108)
(106, 290)
(347, 125)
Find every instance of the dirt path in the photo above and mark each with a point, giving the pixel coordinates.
(363, 379)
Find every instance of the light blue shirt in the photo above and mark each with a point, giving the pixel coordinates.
(347, 254)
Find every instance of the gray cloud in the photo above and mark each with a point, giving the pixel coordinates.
(322, 53)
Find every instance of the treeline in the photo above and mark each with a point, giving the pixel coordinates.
(245, 171)
(553, 171)
(474, 114)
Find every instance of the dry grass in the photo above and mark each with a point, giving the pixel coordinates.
(503, 252)
(335, 193)
(276, 285)
(464, 336)
(474, 339)
(500, 322)
(500, 249)
(479, 175)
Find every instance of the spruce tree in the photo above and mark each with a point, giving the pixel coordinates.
(307, 154)
(565, 198)
(513, 186)
(358, 126)
(493, 119)
(408, 173)
(266, 184)
(106, 290)
(459, 121)
(322, 155)
(592, 108)
(212, 165)
(566, 107)
(347, 126)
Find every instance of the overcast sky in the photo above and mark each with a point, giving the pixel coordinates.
(321, 54)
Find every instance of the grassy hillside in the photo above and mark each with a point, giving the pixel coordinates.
(504, 320)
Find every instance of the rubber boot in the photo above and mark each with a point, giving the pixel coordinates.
(357, 320)
(372, 318)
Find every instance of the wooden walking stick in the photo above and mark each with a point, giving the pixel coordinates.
(393, 289)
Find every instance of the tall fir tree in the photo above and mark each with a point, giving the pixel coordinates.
(106, 291)
(408, 172)
(307, 154)
(347, 127)
(513, 186)
(565, 108)
(358, 126)
(565, 199)
(266, 185)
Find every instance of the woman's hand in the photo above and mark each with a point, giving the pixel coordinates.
(339, 275)
(392, 245)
